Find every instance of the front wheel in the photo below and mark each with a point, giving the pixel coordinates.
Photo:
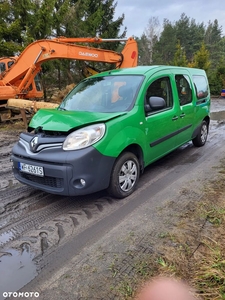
(201, 137)
(125, 175)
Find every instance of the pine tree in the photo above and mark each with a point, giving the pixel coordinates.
(42, 19)
(10, 30)
(190, 34)
(201, 59)
(180, 56)
(165, 48)
(97, 19)
(216, 78)
(213, 37)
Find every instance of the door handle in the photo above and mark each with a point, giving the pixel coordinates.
(174, 118)
(182, 115)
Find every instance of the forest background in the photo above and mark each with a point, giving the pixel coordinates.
(181, 43)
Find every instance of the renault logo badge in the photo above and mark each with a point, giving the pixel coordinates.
(34, 143)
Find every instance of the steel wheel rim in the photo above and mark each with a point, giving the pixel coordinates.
(204, 132)
(128, 175)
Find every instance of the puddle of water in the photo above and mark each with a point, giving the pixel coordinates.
(16, 269)
(218, 115)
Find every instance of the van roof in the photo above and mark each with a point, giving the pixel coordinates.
(142, 70)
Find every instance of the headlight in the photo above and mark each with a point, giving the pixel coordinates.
(84, 137)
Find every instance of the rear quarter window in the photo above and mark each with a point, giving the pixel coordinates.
(201, 86)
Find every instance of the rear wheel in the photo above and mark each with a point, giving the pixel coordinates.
(201, 137)
(125, 175)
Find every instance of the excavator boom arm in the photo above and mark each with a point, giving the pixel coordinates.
(44, 50)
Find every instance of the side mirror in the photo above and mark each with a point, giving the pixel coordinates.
(155, 103)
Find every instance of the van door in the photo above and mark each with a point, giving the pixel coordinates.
(161, 124)
(184, 96)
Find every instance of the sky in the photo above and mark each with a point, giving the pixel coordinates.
(138, 12)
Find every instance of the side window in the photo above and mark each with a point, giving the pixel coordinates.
(2, 67)
(10, 63)
(159, 88)
(201, 86)
(183, 89)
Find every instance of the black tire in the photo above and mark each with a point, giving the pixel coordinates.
(124, 176)
(201, 137)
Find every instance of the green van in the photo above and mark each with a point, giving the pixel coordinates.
(110, 127)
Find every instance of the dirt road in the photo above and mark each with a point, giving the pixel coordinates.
(88, 247)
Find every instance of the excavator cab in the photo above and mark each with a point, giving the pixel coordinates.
(2, 67)
(6, 63)
(34, 91)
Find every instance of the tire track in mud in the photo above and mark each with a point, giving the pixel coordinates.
(45, 230)
(55, 216)
(34, 217)
(7, 142)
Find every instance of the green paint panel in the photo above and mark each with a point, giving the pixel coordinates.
(63, 121)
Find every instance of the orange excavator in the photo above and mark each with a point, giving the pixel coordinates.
(19, 75)
(35, 89)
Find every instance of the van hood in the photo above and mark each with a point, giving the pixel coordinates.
(64, 121)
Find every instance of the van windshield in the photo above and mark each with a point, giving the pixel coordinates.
(103, 94)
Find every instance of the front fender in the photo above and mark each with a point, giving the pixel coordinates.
(119, 137)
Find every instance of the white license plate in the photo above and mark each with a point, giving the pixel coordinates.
(35, 170)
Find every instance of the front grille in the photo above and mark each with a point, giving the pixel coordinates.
(46, 180)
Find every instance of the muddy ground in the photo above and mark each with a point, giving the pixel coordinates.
(97, 247)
